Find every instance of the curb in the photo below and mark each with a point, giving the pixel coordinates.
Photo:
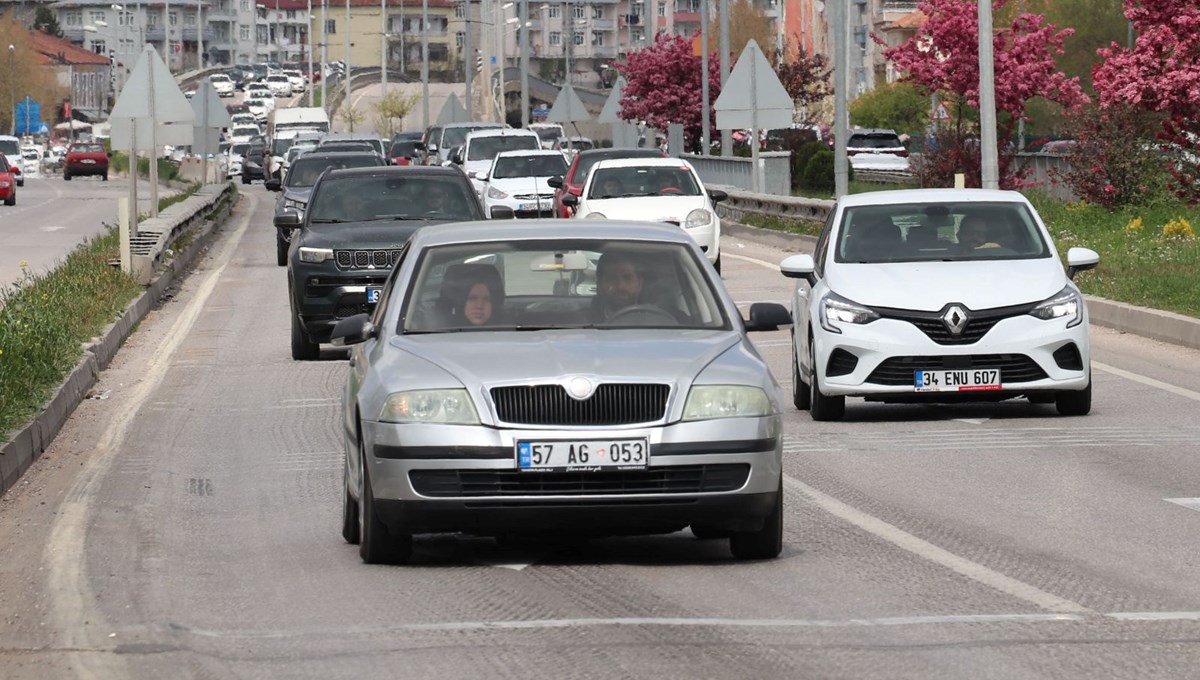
(1155, 324)
(28, 443)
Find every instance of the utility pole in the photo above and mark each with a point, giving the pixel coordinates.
(200, 34)
(424, 64)
(705, 105)
(383, 47)
(990, 171)
(468, 57)
(523, 27)
(324, 56)
(346, 103)
(308, 26)
(568, 40)
(841, 171)
(726, 135)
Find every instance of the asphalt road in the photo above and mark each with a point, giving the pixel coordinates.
(185, 524)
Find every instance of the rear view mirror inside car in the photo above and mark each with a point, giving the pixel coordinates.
(570, 262)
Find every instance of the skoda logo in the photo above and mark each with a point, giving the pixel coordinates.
(580, 388)
(955, 319)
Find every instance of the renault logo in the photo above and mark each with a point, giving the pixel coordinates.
(955, 319)
(580, 388)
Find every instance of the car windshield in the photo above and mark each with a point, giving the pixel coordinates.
(346, 146)
(548, 165)
(874, 141)
(245, 131)
(548, 134)
(88, 148)
(403, 149)
(486, 148)
(455, 136)
(932, 232)
(305, 171)
(392, 196)
(643, 181)
(587, 160)
(239, 149)
(561, 283)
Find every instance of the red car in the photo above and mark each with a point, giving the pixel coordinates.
(86, 158)
(573, 181)
(8, 181)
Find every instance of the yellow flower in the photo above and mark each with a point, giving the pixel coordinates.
(1179, 228)
(24, 264)
(1135, 226)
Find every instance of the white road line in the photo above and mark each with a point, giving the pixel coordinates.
(1173, 389)
(1189, 503)
(752, 260)
(76, 611)
(1155, 616)
(928, 551)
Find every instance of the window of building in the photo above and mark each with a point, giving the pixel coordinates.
(330, 26)
(460, 39)
(72, 18)
(580, 11)
(662, 9)
(459, 12)
(189, 20)
(173, 18)
(245, 33)
(555, 38)
(553, 11)
(597, 12)
(635, 8)
(95, 16)
(635, 35)
(245, 5)
(152, 19)
(598, 39)
(98, 47)
(578, 38)
(291, 14)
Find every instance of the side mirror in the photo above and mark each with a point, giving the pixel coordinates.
(556, 182)
(717, 195)
(421, 146)
(570, 200)
(15, 169)
(273, 184)
(768, 316)
(1081, 260)
(503, 212)
(431, 148)
(287, 220)
(481, 176)
(352, 330)
(799, 267)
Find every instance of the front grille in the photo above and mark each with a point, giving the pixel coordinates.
(344, 311)
(365, 259)
(931, 324)
(1067, 357)
(534, 197)
(841, 362)
(610, 404)
(682, 479)
(1014, 368)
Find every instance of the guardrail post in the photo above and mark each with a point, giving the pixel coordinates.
(124, 226)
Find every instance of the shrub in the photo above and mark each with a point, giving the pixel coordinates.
(1114, 162)
(800, 159)
(818, 174)
(1178, 228)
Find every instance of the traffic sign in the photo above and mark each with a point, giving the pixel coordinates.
(568, 108)
(541, 111)
(29, 116)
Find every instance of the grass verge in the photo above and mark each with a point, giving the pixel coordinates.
(781, 224)
(164, 203)
(167, 169)
(46, 318)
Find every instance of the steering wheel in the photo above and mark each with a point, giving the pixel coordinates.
(670, 190)
(650, 313)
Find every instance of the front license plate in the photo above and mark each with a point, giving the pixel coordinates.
(87, 161)
(527, 207)
(583, 455)
(373, 294)
(968, 380)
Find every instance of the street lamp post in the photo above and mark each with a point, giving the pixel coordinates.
(12, 87)
(468, 56)
(383, 47)
(424, 64)
(524, 35)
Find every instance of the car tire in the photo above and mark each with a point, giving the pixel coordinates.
(350, 526)
(12, 199)
(281, 251)
(821, 407)
(66, 177)
(303, 349)
(377, 545)
(801, 397)
(767, 542)
(245, 178)
(1075, 402)
(717, 263)
(104, 177)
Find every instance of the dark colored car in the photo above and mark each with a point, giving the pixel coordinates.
(355, 227)
(297, 185)
(346, 146)
(573, 181)
(8, 181)
(86, 158)
(404, 152)
(253, 161)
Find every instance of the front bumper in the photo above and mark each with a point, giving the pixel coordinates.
(1023, 347)
(324, 298)
(724, 473)
(79, 170)
(521, 208)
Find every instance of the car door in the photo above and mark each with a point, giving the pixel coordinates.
(805, 295)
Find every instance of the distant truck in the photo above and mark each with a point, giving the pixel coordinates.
(284, 124)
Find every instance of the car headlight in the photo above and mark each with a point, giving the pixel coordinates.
(315, 255)
(698, 218)
(4, 184)
(595, 216)
(835, 308)
(495, 193)
(1066, 303)
(706, 402)
(446, 407)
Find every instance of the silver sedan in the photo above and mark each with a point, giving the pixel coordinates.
(559, 377)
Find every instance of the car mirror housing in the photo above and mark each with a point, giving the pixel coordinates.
(273, 184)
(503, 212)
(768, 316)
(570, 200)
(1081, 260)
(555, 182)
(352, 330)
(799, 267)
(287, 220)
(717, 195)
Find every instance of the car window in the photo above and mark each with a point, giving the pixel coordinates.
(455, 136)
(403, 149)
(874, 141)
(562, 283)
(933, 232)
(643, 181)
(305, 171)
(391, 196)
(486, 148)
(529, 166)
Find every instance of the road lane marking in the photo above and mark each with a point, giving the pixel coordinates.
(76, 611)
(752, 260)
(1155, 616)
(928, 551)
(971, 421)
(1189, 503)
(1151, 382)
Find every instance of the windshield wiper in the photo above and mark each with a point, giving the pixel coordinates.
(327, 220)
(397, 218)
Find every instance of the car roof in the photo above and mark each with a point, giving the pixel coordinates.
(421, 170)
(529, 152)
(620, 153)
(500, 132)
(873, 131)
(524, 230)
(349, 136)
(477, 124)
(642, 163)
(334, 155)
(931, 196)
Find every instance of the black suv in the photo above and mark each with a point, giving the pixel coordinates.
(301, 176)
(356, 225)
(253, 160)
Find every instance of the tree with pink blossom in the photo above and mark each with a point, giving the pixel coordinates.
(1161, 73)
(663, 86)
(943, 57)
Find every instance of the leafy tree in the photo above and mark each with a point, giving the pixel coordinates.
(391, 110)
(943, 57)
(45, 21)
(748, 22)
(663, 86)
(900, 106)
(1161, 73)
(1111, 164)
(350, 116)
(26, 77)
(806, 79)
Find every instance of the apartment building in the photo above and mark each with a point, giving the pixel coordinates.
(176, 29)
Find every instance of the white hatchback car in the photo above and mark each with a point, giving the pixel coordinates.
(938, 295)
(656, 190)
(281, 85)
(520, 180)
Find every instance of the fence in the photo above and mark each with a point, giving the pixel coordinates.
(734, 171)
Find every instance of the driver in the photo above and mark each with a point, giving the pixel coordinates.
(618, 284)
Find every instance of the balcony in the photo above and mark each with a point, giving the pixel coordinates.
(603, 25)
(597, 51)
(687, 17)
(155, 34)
(192, 34)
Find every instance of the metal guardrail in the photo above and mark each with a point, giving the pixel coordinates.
(156, 235)
(741, 203)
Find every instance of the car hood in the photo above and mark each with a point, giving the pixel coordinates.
(297, 193)
(360, 235)
(523, 185)
(930, 286)
(479, 359)
(655, 208)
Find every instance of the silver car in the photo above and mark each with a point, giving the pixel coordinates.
(582, 378)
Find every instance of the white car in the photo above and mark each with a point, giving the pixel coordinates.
(519, 180)
(31, 161)
(280, 85)
(222, 83)
(481, 147)
(258, 91)
(653, 189)
(243, 119)
(877, 150)
(938, 295)
(243, 133)
(234, 158)
(258, 108)
(296, 79)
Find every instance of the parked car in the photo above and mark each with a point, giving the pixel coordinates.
(298, 181)
(653, 189)
(938, 295)
(526, 378)
(876, 150)
(10, 173)
(86, 158)
(352, 232)
(10, 148)
(519, 181)
(572, 182)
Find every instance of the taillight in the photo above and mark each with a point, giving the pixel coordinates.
(851, 152)
(903, 153)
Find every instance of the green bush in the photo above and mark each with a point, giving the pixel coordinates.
(818, 174)
(800, 159)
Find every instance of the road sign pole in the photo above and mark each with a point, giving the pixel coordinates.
(153, 146)
(424, 64)
(990, 176)
(726, 135)
(841, 170)
(705, 105)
